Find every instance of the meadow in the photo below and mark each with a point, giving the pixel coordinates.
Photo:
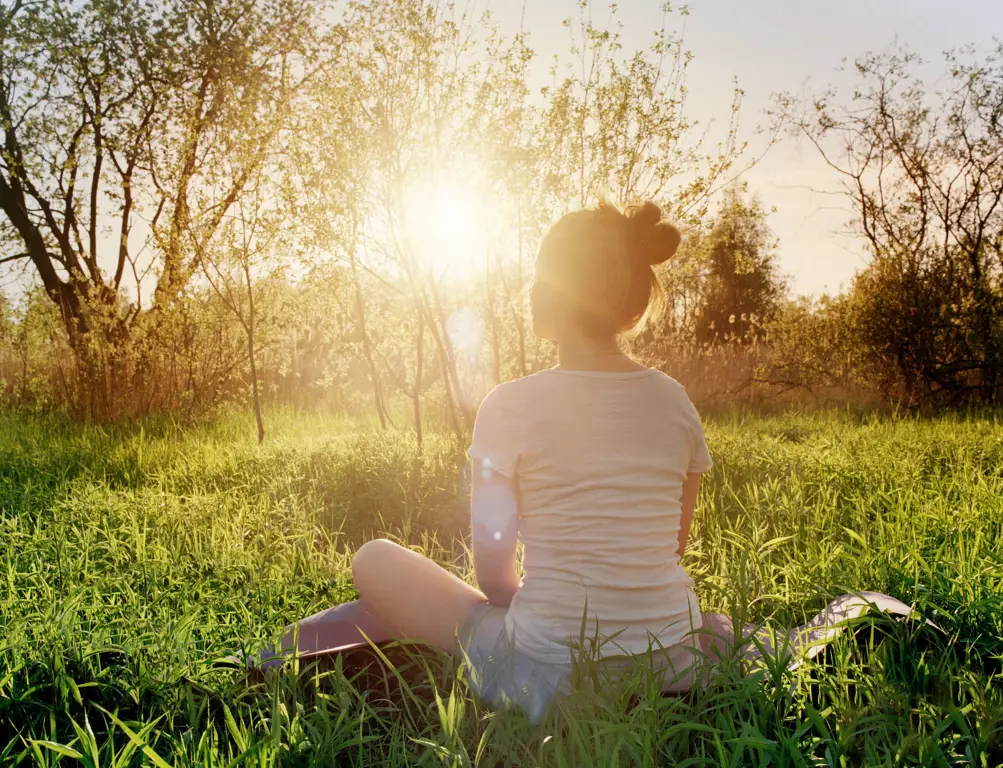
(133, 558)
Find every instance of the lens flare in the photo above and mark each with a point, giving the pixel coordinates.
(466, 334)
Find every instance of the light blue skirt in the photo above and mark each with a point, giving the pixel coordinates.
(503, 676)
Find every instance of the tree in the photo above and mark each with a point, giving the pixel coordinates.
(616, 126)
(419, 90)
(129, 132)
(188, 120)
(330, 178)
(245, 254)
(923, 170)
(742, 286)
(815, 346)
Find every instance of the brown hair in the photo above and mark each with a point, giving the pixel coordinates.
(599, 261)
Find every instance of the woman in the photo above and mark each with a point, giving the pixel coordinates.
(595, 464)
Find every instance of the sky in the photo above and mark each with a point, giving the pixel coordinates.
(773, 46)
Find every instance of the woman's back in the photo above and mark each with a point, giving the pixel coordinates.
(600, 459)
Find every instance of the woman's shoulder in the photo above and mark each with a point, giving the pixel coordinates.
(521, 396)
(515, 390)
(663, 382)
(671, 383)
(670, 393)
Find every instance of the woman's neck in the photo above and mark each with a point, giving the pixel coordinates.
(584, 354)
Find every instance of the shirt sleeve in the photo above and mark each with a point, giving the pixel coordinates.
(700, 460)
(494, 443)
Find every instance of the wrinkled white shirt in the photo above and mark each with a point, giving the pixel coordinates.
(600, 459)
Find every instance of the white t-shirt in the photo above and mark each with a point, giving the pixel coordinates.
(600, 459)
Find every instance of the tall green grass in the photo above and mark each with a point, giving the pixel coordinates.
(133, 558)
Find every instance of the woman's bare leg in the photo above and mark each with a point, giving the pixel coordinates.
(345, 624)
(412, 596)
(404, 595)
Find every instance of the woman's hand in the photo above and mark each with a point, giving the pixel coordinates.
(494, 518)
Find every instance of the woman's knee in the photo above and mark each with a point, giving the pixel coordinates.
(370, 559)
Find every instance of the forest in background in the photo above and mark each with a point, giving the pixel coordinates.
(209, 202)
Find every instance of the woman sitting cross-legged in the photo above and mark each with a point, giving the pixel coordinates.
(594, 464)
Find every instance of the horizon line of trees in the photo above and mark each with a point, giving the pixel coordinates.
(214, 200)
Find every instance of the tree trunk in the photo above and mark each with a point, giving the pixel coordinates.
(427, 314)
(250, 327)
(254, 388)
(367, 350)
(517, 316)
(419, 372)
(448, 359)
(489, 304)
(454, 418)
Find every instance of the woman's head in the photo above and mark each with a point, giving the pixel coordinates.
(594, 275)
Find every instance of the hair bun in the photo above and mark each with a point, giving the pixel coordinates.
(654, 240)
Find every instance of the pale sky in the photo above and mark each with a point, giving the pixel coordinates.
(782, 45)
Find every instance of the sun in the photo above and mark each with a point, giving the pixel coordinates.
(446, 228)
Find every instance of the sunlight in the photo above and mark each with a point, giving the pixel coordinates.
(446, 226)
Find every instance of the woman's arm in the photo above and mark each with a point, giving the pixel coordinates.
(494, 517)
(689, 501)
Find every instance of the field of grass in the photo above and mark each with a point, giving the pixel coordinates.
(131, 559)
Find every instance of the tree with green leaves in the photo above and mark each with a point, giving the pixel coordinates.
(742, 286)
(923, 169)
(129, 133)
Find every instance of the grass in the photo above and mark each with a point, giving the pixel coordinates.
(133, 558)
